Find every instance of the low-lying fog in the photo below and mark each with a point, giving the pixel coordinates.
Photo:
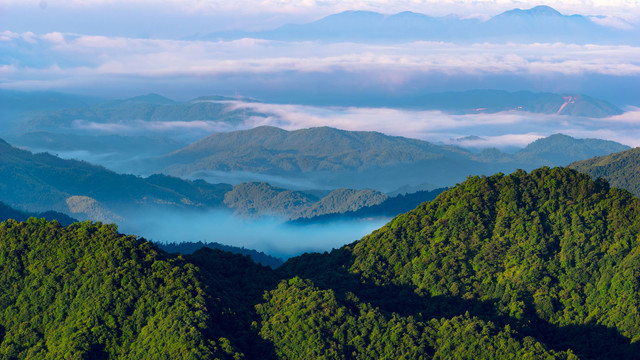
(270, 235)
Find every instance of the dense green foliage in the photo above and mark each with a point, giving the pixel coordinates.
(523, 266)
(87, 292)
(305, 322)
(552, 253)
(621, 169)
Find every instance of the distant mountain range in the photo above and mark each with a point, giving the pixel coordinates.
(538, 24)
(492, 101)
(331, 158)
(27, 112)
(147, 108)
(621, 169)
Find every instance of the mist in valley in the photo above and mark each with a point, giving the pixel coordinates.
(269, 235)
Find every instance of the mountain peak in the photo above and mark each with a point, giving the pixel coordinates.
(538, 11)
(151, 98)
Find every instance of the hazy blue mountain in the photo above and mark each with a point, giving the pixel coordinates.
(491, 101)
(318, 158)
(146, 108)
(41, 182)
(621, 169)
(13, 100)
(331, 158)
(538, 24)
(114, 144)
(559, 149)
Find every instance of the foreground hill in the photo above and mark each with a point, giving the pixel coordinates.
(552, 253)
(621, 169)
(539, 266)
(96, 294)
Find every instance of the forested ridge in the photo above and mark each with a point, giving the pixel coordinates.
(528, 266)
(621, 169)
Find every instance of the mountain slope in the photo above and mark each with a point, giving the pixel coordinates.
(621, 169)
(491, 101)
(552, 253)
(146, 108)
(330, 158)
(40, 182)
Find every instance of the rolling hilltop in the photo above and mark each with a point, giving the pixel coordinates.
(540, 265)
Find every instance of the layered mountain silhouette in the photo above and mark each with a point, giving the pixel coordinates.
(351, 159)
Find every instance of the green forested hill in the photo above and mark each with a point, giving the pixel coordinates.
(87, 292)
(621, 169)
(523, 266)
(552, 254)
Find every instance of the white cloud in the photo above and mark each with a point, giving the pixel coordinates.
(101, 55)
(502, 130)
